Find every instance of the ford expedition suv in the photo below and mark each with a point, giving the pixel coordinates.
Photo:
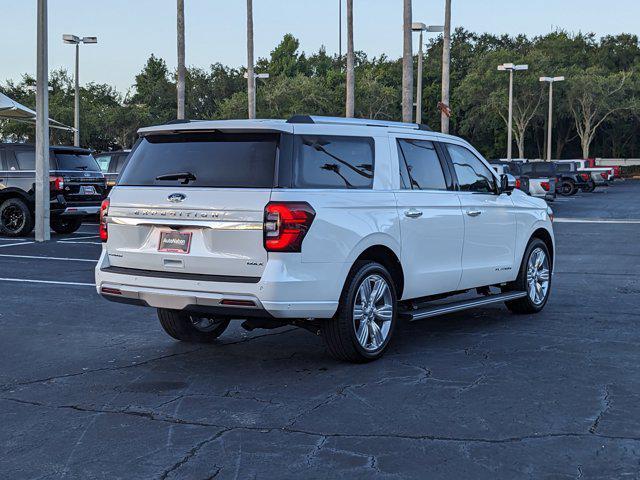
(339, 226)
(77, 188)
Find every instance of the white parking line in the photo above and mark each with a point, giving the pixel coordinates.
(86, 243)
(595, 220)
(15, 244)
(79, 238)
(36, 257)
(26, 280)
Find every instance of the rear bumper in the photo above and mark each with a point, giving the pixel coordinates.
(294, 290)
(61, 206)
(80, 211)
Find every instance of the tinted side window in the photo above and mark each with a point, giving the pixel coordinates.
(26, 159)
(333, 162)
(121, 160)
(420, 167)
(473, 175)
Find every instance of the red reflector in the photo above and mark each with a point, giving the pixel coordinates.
(285, 225)
(545, 186)
(237, 303)
(585, 176)
(57, 183)
(104, 211)
(604, 175)
(110, 291)
(518, 183)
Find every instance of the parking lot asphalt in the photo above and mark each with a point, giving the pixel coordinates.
(91, 389)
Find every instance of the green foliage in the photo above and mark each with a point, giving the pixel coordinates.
(595, 109)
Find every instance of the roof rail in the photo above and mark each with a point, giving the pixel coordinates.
(364, 122)
(177, 121)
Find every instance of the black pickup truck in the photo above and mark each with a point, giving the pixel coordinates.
(77, 188)
(570, 180)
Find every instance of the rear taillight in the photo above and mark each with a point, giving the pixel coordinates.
(585, 176)
(104, 211)
(518, 183)
(604, 175)
(545, 186)
(285, 225)
(57, 183)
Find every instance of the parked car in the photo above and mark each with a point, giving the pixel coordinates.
(502, 167)
(570, 180)
(600, 175)
(616, 169)
(339, 226)
(542, 179)
(77, 188)
(111, 164)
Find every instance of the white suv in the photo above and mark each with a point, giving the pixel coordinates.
(339, 226)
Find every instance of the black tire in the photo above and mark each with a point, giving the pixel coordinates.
(339, 333)
(182, 326)
(65, 225)
(527, 304)
(16, 219)
(567, 188)
(591, 186)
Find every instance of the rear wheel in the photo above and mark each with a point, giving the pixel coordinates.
(187, 327)
(65, 225)
(591, 186)
(364, 324)
(534, 278)
(16, 219)
(567, 188)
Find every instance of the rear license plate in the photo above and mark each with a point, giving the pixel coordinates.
(87, 190)
(177, 242)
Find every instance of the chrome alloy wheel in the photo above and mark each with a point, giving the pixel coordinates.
(373, 312)
(538, 276)
(205, 324)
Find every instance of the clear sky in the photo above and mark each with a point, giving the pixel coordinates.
(129, 31)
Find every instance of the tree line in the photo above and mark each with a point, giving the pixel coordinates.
(595, 109)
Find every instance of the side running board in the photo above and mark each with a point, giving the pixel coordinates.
(435, 310)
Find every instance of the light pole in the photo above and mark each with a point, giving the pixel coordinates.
(252, 101)
(421, 27)
(446, 67)
(510, 67)
(43, 231)
(551, 80)
(75, 40)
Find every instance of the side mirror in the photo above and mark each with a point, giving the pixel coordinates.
(507, 183)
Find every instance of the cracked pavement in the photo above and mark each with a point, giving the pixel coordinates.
(95, 390)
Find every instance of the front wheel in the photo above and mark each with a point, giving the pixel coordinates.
(187, 327)
(365, 321)
(65, 225)
(534, 278)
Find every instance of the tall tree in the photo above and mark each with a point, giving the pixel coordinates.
(407, 63)
(593, 98)
(181, 60)
(350, 62)
(251, 78)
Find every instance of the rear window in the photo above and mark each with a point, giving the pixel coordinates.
(76, 161)
(322, 161)
(209, 159)
(539, 168)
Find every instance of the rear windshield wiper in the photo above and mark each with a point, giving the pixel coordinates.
(186, 177)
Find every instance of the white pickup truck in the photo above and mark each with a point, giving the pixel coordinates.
(339, 226)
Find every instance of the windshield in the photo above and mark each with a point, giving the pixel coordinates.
(203, 159)
(76, 161)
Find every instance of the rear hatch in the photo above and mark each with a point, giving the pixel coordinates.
(193, 202)
(82, 180)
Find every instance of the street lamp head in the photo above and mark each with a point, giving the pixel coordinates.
(435, 28)
(551, 79)
(505, 66)
(558, 79)
(262, 75)
(521, 67)
(73, 39)
(89, 39)
(418, 26)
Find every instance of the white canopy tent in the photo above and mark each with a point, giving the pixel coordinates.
(12, 110)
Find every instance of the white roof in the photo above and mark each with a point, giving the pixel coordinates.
(12, 110)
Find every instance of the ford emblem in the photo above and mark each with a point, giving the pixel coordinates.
(176, 197)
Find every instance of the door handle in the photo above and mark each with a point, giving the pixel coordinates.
(474, 213)
(413, 213)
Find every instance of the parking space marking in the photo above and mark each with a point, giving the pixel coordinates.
(596, 220)
(36, 257)
(79, 238)
(16, 244)
(73, 241)
(54, 282)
